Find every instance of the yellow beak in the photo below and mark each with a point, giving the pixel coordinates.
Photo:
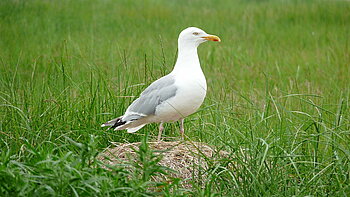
(212, 38)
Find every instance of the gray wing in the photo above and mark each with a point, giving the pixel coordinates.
(158, 92)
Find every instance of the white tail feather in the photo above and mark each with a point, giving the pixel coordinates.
(133, 130)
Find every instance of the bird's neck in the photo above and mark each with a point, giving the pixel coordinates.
(187, 60)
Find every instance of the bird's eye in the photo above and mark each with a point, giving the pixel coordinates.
(195, 33)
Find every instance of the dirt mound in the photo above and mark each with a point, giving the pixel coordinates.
(188, 159)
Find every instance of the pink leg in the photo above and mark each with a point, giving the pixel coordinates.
(161, 128)
(182, 130)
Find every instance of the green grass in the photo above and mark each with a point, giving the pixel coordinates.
(278, 87)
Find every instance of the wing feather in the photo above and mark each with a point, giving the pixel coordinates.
(158, 92)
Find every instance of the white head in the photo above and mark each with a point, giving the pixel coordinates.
(193, 37)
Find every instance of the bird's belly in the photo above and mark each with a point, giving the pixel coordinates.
(189, 97)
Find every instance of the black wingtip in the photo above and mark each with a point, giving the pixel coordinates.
(117, 123)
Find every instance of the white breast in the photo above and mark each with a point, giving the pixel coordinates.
(190, 94)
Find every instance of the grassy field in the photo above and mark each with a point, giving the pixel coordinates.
(278, 88)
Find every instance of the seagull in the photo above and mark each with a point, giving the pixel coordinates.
(174, 96)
